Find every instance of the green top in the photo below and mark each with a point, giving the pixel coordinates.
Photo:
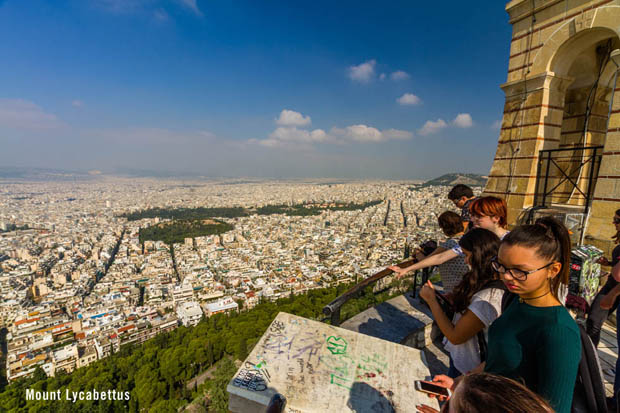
(541, 346)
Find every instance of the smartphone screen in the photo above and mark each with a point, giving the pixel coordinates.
(431, 388)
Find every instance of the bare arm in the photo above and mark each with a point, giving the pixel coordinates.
(615, 272)
(430, 261)
(608, 300)
(468, 325)
(464, 329)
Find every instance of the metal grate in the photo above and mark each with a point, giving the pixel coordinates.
(567, 176)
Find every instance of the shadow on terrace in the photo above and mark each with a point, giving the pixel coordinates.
(403, 319)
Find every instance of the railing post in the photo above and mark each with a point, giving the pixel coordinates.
(544, 200)
(538, 174)
(335, 317)
(590, 180)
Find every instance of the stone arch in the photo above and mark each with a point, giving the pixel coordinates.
(576, 51)
(578, 32)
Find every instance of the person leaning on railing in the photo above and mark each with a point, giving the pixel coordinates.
(452, 269)
(488, 212)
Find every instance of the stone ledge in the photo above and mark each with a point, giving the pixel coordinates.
(403, 320)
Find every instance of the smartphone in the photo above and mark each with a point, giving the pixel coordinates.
(430, 387)
(443, 299)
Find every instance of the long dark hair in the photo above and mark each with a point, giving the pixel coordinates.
(616, 237)
(489, 393)
(551, 240)
(483, 245)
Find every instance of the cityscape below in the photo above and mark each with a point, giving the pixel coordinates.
(87, 266)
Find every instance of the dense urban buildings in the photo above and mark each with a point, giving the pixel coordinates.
(77, 283)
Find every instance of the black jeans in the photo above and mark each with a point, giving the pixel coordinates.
(597, 315)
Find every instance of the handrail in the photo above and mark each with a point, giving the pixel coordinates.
(332, 309)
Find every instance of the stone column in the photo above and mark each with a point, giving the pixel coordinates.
(606, 200)
(532, 121)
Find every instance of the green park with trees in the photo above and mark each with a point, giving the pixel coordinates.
(201, 213)
(176, 231)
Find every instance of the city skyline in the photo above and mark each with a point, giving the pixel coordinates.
(196, 88)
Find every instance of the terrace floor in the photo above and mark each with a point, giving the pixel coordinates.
(608, 353)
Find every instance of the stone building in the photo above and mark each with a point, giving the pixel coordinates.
(560, 100)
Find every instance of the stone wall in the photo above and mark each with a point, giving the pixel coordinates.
(555, 57)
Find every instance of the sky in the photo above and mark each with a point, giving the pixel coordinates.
(274, 89)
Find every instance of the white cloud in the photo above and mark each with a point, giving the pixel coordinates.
(291, 133)
(382, 76)
(365, 134)
(292, 118)
(497, 124)
(23, 114)
(463, 120)
(287, 136)
(399, 75)
(431, 127)
(192, 5)
(363, 72)
(77, 103)
(409, 99)
(397, 134)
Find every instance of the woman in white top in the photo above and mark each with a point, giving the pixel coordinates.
(476, 301)
(487, 212)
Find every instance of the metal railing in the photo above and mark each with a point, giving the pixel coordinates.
(560, 167)
(332, 310)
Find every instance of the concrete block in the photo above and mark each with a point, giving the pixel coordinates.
(321, 368)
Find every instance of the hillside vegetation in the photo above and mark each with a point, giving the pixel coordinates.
(156, 372)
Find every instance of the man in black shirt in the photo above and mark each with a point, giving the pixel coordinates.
(462, 196)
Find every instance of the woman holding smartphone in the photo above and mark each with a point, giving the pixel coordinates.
(535, 340)
(476, 303)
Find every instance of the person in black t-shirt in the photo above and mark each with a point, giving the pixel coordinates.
(598, 315)
(462, 196)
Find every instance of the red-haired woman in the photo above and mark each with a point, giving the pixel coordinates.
(488, 212)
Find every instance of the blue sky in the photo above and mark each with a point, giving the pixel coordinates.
(396, 90)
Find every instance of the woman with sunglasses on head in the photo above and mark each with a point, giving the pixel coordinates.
(475, 301)
(606, 300)
(535, 339)
(488, 212)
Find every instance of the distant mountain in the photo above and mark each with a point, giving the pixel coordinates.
(458, 178)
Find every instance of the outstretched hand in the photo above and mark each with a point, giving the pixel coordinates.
(400, 272)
